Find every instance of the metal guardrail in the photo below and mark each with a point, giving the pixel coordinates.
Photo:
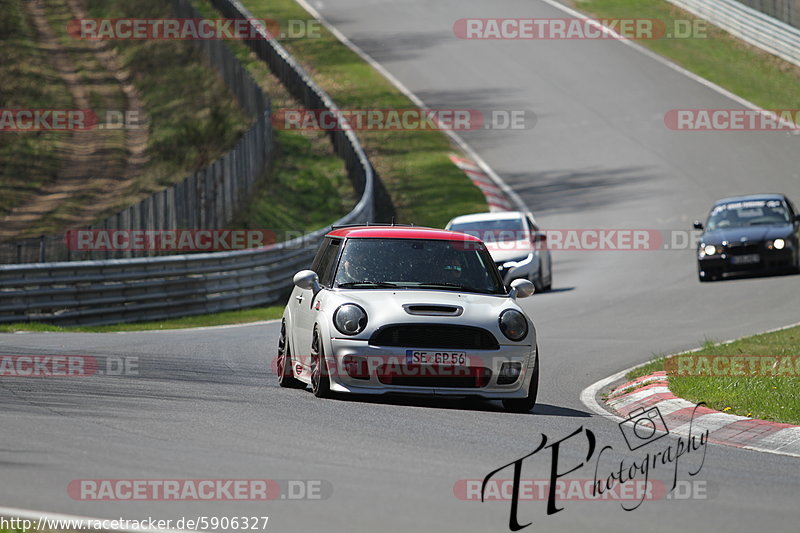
(136, 289)
(786, 10)
(756, 28)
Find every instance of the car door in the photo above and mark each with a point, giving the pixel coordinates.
(303, 300)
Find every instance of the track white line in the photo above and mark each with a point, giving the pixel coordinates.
(589, 394)
(677, 68)
(462, 145)
(40, 516)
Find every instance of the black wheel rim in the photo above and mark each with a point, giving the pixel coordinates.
(282, 352)
(315, 363)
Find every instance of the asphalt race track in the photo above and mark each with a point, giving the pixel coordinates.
(205, 404)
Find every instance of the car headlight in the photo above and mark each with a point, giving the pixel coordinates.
(519, 262)
(710, 249)
(513, 324)
(777, 244)
(350, 319)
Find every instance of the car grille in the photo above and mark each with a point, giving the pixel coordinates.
(434, 376)
(435, 336)
(742, 249)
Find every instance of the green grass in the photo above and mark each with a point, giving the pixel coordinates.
(649, 368)
(745, 70)
(27, 159)
(194, 119)
(424, 186)
(767, 398)
(215, 319)
(307, 186)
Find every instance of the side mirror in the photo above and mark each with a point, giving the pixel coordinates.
(797, 217)
(308, 280)
(697, 224)
(521, 288)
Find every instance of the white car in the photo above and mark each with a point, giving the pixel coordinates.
(516, 243)
(408, 310)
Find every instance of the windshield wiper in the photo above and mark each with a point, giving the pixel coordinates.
(445, 285)
(366, 284)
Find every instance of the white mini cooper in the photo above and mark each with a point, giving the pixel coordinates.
(408, 310)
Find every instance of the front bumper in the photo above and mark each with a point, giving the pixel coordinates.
(770, 262)
(386, 367)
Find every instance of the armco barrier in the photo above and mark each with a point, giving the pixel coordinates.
(786, 10)
(136, 289)
(749, 25)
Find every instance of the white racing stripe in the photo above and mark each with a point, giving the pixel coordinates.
(471, 154)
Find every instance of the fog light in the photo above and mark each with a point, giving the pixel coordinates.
(356, 367)
(509, 373)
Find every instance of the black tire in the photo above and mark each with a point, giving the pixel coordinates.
(549, 285)
(538, 281)
(320, 380)
(524, 405)
(286, 378)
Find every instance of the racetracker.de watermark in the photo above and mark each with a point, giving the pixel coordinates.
(578, 28)
(588, 239)
(67, 120)
(733, 365)
(579, 490)
(180, 240)
(191, 29)
(733, 119)
(412, 119)
(199, 489)
(66, 366)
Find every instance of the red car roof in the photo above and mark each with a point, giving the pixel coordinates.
(402, 232)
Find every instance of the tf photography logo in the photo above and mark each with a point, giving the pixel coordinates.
(642, 428)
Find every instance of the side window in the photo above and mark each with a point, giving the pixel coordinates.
(327, 262)
(326, 241)
(792, 211)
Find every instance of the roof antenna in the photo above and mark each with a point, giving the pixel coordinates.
(392, 220)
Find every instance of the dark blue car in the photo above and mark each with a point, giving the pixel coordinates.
(756, 234)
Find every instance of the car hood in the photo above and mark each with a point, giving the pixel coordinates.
(749, 233)
(386, 306)
(509, 250)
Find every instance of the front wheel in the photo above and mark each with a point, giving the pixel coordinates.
(524, 405)
(320, 380)
(284, 364)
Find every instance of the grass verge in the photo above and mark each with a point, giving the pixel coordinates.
(194, 119)
(214, 319)
(27, 160)
(307, 186)
(745, 70)
(764, 397)
(424, 186)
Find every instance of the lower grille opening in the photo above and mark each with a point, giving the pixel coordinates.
(434, 376)
(435, 336)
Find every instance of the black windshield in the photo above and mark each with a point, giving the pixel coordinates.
(417, 263)
(748, 213)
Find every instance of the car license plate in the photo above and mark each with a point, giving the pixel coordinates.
(748, 259)
(419, 357)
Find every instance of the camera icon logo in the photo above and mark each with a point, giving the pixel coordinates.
(643, 427)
